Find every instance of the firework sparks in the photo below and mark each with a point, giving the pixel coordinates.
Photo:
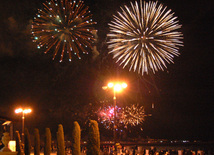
(144, 36)
(130, 115)
(64, 26)
(133, 115)
(106, 116)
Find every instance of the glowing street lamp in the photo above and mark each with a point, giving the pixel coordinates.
(117, 87)
(23, 111)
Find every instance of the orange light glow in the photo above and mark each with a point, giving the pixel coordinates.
(117, 87)
(124, 85)
(26, 111)
(19, 110)
(110, 85)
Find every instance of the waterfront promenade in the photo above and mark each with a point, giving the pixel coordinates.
(145, 148)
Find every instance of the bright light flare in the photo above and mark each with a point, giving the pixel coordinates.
(18, 110)
(110, 85)
(26, 111)
(117, 86)
(124, 85)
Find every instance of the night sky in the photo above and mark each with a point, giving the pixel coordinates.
(68, 91)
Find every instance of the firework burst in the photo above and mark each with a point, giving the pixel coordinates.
(106, 116)
(133, 115)
(145, 37)
(130, 115)
(64, 26)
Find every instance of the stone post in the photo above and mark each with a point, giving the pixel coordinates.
(5, 140)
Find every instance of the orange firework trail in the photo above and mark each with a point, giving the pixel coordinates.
(64, 26)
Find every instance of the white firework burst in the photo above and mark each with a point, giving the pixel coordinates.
(145, 37)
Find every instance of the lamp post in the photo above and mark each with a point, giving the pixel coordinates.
(23, 111)
(117, 87)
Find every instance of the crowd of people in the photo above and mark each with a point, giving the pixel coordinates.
(135, 150)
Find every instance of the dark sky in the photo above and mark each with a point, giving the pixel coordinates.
(182, 94)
